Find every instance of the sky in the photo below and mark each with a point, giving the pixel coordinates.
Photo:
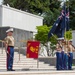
(1, 1)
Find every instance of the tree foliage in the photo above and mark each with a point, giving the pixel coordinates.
(72, 13)
(68, 35)
(42, 34)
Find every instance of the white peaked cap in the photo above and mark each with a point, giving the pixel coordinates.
(9, 30)
(71, 40)
(62, 38)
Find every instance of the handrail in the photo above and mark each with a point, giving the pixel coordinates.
(19, 53)
(2, 45)
(19, 48)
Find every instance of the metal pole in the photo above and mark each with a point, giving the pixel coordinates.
(19, 53)
(65, 17)
(2, 47)
(38, 60)
(37, 63)
(65, 20)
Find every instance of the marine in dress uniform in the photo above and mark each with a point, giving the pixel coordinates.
(9, 43)
(70, 54)
(65, 56)
(59, 54)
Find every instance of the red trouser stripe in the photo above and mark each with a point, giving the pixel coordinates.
(8, 55)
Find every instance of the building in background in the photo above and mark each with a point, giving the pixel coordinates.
(1, 1)
(73, 37)
(24, 23)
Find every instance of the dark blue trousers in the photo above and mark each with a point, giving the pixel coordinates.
(62, 60)
(58, 61)
(10, 56)
(70, 59)
(65, 61)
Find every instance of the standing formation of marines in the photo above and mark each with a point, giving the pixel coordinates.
(64, 54)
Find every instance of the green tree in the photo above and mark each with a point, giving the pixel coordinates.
(32, 6)
(68, 35)
(51, 15)
(72, 13)
(71, 5)
(42, 34)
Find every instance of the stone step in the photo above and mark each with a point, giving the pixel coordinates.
(16, 58)
(2, 58)
(42, 65)
(17, 61)
(26, 66)
(29, 67)
(23, 66)
(2, 55)
(21, 58)
(24, 63)
(14, 54)
(31, 62)
(38, 73)
(5, 52)
(24, 60)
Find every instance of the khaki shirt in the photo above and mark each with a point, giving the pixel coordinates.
(9, 40)
(71, 48)
(57, 47)
(65, 48)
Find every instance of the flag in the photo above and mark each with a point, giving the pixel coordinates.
(63, 21)
(32, 49)
(54, 29)
(61, 24)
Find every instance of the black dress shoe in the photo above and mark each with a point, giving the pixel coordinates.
(8, 69)
(12, 70)
(70, 69)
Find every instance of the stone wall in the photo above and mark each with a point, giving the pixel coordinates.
(21, 36)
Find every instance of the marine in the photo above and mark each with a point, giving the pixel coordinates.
(9, 44)
(71, 49)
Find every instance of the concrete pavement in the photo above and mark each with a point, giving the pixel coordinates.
(38, 73)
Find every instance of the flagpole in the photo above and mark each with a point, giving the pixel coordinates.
(65, 20)
(69, 13)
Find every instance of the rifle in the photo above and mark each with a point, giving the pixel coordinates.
(73, 46)
(56, 40)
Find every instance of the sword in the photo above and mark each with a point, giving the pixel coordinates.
(9, 54)
(7, 51)
(1, 41)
